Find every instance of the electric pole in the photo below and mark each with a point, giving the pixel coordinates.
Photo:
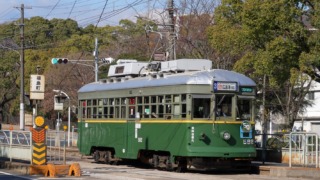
(172, 36)
(22, 121)
(96, 60)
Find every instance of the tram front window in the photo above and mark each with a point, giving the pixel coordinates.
(201, 108)
(223, 106)
(244, 109)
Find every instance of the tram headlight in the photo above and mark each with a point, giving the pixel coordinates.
(225, 135)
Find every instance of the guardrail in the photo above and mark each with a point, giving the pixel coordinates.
(16, 144)
(297, 148)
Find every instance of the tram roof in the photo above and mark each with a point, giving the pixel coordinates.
(194, 77)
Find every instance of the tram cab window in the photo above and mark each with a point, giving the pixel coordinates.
(94, 113)
(244, 109)
(201, 108)
(223, 105)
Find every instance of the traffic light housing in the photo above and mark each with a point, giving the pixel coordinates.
(59, 60)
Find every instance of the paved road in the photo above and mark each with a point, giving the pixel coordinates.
(7, 175)
(127, 171)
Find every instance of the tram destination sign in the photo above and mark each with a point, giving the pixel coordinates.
(246, 89)
(225, 86)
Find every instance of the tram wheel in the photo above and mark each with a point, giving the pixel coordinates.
(168, 165)
(107, 158)
(182, 166)
(96, 156)
(155, 161)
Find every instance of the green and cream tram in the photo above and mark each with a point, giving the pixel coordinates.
(171, 114)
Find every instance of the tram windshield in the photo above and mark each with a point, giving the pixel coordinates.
(244, 110)
(201, 107)
(223, 105)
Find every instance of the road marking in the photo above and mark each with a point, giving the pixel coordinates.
(5, 173)
(8, 174)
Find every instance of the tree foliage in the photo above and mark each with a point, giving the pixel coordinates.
(269, 38)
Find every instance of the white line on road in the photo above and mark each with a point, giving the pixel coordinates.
(8, 174)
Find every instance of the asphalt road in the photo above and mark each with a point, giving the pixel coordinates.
(7, 175)
(130, 171)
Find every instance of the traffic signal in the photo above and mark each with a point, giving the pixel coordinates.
(59, 60)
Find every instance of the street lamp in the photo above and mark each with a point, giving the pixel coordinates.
(69, 111)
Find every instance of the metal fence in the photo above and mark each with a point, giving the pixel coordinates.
(16, 145)
(57, 145)
(304, 149)
(297, 148)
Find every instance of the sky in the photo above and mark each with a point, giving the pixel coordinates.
(85, 12)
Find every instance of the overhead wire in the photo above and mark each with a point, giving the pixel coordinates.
(72, 8)
(89, 20)
(52, 9)
(102, 12)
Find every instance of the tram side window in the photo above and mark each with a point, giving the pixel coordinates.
(117, 108)
(201, 108)
(100, 110)
(111, 112)
(161, 106)
(223, 105)
(123, 108)
(154, 112)
(111, 108)
(244, 109)
(105, 112)
(132, 108)
(146, 111)
(123, 112)
(94, 113)
(88, 112)
(89, 102)
(184, 105)
(83, 107)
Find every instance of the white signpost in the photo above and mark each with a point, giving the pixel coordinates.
(37, 83)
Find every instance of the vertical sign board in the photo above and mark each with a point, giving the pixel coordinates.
(39, 142)
(37, 87)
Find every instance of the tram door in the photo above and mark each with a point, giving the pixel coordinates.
(131, 128)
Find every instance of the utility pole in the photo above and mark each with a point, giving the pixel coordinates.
(96, 60)
(264, 121)
(22, 121)
(172, 36)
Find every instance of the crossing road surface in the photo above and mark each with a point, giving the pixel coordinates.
(128, 171)
(10, 176)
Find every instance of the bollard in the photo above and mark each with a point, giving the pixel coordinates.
(64, 148)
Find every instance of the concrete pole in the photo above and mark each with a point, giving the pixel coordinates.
(172, 35)
(264, 125)
(96, 71)
(69, 119)
(22, 122)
